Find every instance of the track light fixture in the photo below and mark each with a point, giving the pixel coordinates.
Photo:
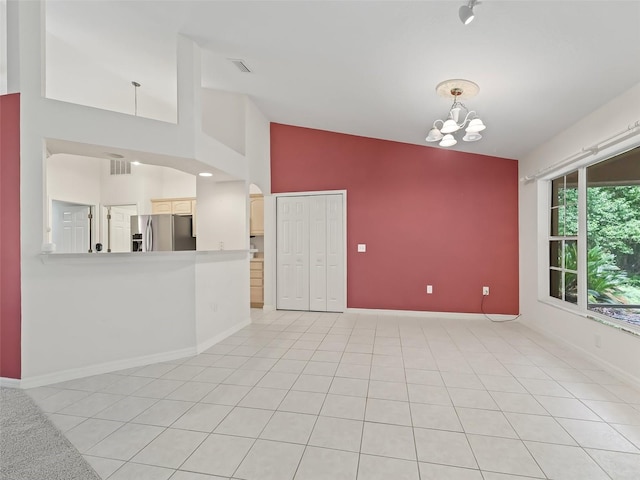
(457, 89)
(466, 13)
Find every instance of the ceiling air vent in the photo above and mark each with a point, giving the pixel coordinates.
(240, 65)
(120, 167)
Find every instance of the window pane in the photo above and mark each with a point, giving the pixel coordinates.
(571, 287)
(557, 187)
(572, 187)
(571, 255)
(613, 236)
(557, 222)
(571, 219)
(555, 283)
(555, 253)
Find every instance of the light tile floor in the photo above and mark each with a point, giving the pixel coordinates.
(311, 396)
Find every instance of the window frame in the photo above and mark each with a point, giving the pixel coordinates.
(544, 190)
(563, 239)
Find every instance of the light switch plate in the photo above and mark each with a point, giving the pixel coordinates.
(362, 247)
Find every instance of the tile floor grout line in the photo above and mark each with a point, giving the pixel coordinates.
(413, 428)
(295, 473)
(543, 361)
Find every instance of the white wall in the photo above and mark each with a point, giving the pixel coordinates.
(222, 215)
(222, 296)
(619, 350)
(87, 180)
(223, 117)
(74, 179)
(3, 47)
(258, 147)
(93, 313)
(176, 184)
(98, 71)
(80, 316)
(144, 183)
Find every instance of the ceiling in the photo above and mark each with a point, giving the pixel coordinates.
(371, 68)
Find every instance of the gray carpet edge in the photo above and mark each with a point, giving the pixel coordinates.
(32, 447)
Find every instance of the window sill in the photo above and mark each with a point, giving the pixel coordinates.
(612, 322)
(595, 317)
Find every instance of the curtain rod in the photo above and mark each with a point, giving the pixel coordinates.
(585, 152)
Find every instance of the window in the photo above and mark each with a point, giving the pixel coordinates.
(608, 232)
(563, 239)
(613, 237)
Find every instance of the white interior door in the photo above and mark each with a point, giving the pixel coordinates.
(310, 242)
(335, 254)
(120, 228)
(292, 240)
(70, 229)
(318, 253)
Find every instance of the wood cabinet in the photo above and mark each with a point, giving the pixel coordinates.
(181, 207)
(256, 224)
(161, 206)
(177, 206)
(256, 279)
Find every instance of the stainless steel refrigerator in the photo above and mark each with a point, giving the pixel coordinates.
(153, 233)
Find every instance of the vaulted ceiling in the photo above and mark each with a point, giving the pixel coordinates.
(370, 68)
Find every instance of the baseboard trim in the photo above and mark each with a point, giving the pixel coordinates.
(202, 346)
(107, 367)
(6, 382)
(609, 367)
(429, 315)
(269, 308)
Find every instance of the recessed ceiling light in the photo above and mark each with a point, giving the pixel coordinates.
(206, 174)
(114, 155)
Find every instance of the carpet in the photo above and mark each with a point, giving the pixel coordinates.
(31, 447)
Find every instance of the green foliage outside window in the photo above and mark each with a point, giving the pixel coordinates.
(613, 237)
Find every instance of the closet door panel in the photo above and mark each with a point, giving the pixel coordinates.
(318, 253)
(335, 254)
(292, 241)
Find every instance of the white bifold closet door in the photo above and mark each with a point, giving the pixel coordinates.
(310, 253)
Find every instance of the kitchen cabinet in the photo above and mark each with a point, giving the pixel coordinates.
(256, 215)
(256, 279)
(176, 206)
(160, 206)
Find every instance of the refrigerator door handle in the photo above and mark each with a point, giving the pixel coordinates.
(149, 236)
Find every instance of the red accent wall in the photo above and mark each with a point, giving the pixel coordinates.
(10, 311)
(429, 216)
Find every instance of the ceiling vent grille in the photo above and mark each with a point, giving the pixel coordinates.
(120, 167)
(240, 65)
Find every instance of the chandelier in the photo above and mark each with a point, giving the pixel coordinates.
(445, 134)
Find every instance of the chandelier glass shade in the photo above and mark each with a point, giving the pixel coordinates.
(442, 130)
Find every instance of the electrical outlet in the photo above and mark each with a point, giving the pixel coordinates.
(362, 247)
(429, 288)
(485, 291)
